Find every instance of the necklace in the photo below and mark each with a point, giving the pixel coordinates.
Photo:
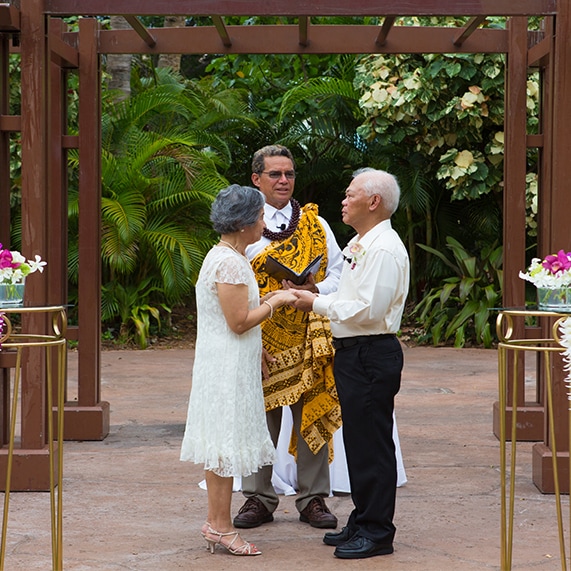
(295, 215)
(231, 247)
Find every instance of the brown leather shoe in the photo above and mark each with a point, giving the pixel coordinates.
(252, 514)
(317, 514)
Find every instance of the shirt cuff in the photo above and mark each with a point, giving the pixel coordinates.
(321, 305)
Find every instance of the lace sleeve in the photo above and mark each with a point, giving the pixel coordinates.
(232, 271)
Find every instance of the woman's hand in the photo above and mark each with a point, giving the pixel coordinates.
(283, 297)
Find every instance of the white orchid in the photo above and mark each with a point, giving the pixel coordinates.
(14, 266)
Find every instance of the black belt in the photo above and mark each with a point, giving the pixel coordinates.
(342, 342)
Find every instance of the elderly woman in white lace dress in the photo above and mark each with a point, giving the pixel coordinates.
(226, 428)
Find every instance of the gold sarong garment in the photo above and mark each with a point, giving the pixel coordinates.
(300, 342)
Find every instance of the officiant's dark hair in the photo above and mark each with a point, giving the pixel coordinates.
(258, 160)
(235, 208)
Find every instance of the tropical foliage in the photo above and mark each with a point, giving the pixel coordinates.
(461, 306)
(164, 152)
(436, 121)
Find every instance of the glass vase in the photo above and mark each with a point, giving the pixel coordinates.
(12, 294)
(554, 299)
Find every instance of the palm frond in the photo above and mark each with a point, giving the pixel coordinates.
(319, 89)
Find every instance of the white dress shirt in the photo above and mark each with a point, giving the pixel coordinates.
(373, 286)
(274, 219)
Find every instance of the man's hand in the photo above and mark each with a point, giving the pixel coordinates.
(308, 285)
(305, 300)
(266, 358)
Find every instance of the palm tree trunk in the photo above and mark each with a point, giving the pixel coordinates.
(119, 65)
(172, 60)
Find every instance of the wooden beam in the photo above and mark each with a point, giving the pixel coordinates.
(515, 165)
(62, 53)
(468, 29)
(35, 172)
(559, 149)
(10, 123)
(297, 8)
(58, 176)
(70, 142)
(538, 54)
(89, 285)
(534, 141)
(221, 29)
(88, 417)
(5, 175)
(304, 31)
(285, 40)
(9, 18)
(561, 131)
(136, 24)
(385, 28)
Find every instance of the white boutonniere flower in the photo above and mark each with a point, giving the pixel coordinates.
(354, 254)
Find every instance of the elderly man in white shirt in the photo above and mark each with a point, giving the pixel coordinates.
(365, 314)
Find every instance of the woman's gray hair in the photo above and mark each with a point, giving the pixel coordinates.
(235, 208)
(382, 183)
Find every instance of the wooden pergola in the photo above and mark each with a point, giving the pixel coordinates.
(48, 51)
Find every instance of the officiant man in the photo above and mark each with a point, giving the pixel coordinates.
(300, 371)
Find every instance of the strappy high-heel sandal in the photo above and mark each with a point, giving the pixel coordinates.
(211, 542)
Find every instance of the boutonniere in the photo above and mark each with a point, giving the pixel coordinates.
(354, 254)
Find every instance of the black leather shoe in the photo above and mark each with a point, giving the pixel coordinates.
(338, 538)
(359, 547)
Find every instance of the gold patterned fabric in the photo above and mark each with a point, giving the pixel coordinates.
(300, 342)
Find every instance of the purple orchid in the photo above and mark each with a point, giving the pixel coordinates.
(555, 263)
(14, 267)
(6, 260)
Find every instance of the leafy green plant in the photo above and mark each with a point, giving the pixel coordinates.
(164, 153)
(462, 305)
(132, 304)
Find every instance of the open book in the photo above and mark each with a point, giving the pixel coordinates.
(280, 272)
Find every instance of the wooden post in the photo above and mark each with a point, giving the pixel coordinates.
(558, 236)
(4, 142)
(530, 414)
(31, 460)
(89, 419)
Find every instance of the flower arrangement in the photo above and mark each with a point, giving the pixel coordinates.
(354, 254)
(552, 272)
(14, 267)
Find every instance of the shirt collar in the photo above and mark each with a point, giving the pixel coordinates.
(370, 236)
(272, 213)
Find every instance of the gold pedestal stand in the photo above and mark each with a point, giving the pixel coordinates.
(53, 341)
(504, 326)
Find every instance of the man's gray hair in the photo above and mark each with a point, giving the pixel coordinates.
(382, 183)
(236, 207)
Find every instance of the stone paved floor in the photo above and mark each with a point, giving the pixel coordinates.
(129, 504)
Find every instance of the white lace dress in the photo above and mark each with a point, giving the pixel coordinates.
(226, 426)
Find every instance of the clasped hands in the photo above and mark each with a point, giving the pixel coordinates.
(301, 297)
(304, 294)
